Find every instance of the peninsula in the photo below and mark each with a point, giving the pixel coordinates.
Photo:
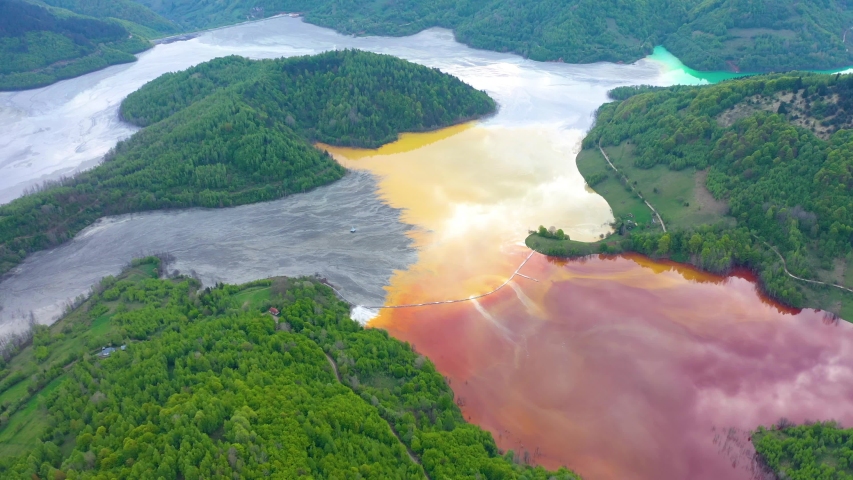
(234, 131)
(752, 172)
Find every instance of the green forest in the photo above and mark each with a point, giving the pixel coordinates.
(739, 35)
(816, 451)
(43, 43)
(207, 384)
(233, 131)
(130, 12)
(775, 151)
(39, 45)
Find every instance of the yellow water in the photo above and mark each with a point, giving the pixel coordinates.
(621, 368)
(497, 182)
(473, 192)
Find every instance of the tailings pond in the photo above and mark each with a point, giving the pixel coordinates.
(618, 367)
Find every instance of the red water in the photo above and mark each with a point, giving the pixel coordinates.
(622, 368)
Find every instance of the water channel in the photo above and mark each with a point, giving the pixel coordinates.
(620, 368)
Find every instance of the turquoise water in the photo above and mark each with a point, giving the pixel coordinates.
(684, 75)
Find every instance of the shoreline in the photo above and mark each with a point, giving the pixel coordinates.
(574, 250)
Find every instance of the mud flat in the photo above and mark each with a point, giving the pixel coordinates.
(299, 235)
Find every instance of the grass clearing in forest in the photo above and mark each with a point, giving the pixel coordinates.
(25, 426)
(679, 196)
(253, 296)
(621, 199)
(14, 392)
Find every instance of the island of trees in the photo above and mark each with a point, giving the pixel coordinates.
(208, 384)
(754, 172)
(233, 131)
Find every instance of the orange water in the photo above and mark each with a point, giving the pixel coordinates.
(617, 367)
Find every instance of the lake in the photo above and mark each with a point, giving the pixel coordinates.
(618, 367)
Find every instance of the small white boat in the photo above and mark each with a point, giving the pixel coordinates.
(352, 230)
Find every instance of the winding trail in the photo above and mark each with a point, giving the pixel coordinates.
(460, 300)
(411, 454)
(632, 187)
(785, 266)
(334, 367)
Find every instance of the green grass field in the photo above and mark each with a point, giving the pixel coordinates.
(621, 199)
(26, 425)
(679, 196)
(253, 296)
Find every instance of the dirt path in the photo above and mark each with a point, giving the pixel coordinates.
(785, 266)
(334, 367)
(632, 188)
(411, 454)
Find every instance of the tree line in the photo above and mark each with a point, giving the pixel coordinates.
(726, 35)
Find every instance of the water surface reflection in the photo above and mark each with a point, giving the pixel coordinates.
(618, 367)
(622, 369)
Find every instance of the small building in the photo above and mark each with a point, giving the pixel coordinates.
(274, 311)
(106, 352)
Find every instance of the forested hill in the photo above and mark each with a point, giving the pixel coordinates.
(211, 386)
(135, 15)
(233, 131)
(744, 35)
(767, 159)
(345, 98)
(40, 45)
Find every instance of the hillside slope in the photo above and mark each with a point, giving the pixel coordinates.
(127, 10)
(211, 386)
(39, 46)
(742, 35)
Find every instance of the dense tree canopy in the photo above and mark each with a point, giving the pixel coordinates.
(233, 131)
(739, 35)
(211, 386)
(818, 451)
(127, 10)
(39, 46)
(742, 35)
